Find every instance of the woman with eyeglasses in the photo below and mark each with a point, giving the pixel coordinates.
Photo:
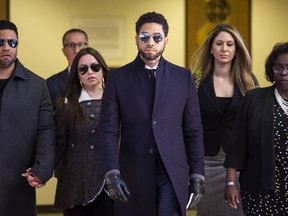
(259, 150)
(79, 185)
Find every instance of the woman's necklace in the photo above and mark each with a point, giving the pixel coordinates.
(283, 103)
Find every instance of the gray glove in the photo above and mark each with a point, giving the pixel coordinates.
(115, 186)
(196, 191)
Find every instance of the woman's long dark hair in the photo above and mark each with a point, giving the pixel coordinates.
(69, 102)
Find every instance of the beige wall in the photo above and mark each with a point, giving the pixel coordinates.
(269, 26)
(42, 23)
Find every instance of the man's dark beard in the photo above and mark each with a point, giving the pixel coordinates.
(7, 64)
(150, 57)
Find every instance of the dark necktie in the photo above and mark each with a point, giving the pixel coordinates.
(153, 79)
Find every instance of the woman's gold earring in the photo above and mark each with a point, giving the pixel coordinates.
(103, 82)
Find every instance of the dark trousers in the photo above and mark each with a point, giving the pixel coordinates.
(168, 204)
(102, 205)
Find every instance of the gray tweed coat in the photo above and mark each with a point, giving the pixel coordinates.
(78, 180)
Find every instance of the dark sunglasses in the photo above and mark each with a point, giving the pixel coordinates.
(11, 42)
(94, 67)
(145, 37)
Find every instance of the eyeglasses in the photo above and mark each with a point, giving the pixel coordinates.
(145, 37)
(280, 68)
(74, 45)
(94, 67)
(11, 42)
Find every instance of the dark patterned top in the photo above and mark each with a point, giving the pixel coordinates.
(276, 203)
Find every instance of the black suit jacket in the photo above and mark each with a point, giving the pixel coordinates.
(252, 151)
(56, 84)
(217, 126)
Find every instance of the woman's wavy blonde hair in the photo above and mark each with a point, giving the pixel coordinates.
(202, 61)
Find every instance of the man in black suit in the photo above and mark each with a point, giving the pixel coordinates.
(73, 40)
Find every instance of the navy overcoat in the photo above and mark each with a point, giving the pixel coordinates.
(173, 124)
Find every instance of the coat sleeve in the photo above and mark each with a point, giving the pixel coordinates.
(61, 138)
(109, 127)
(236, 157)
(193, 133)
(45, 140)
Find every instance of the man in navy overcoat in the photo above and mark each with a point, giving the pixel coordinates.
(161, 144)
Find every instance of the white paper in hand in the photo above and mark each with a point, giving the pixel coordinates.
(189, 201)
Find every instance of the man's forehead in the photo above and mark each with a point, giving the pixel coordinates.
(75, 36)
(151, 27)
(8, 33)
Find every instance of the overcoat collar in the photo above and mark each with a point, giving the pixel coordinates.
(19, 70)
(160, 79)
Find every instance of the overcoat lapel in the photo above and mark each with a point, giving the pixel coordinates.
(161, 80)
(141, 79)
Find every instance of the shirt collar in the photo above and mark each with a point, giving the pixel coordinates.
(155, 67)
(84, 96)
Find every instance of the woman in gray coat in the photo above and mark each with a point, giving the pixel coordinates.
(79, 188)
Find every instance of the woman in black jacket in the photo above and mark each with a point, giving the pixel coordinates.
(224, 65)
(259, 150)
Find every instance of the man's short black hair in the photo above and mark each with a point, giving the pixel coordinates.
(5, 24)
(152, 17)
